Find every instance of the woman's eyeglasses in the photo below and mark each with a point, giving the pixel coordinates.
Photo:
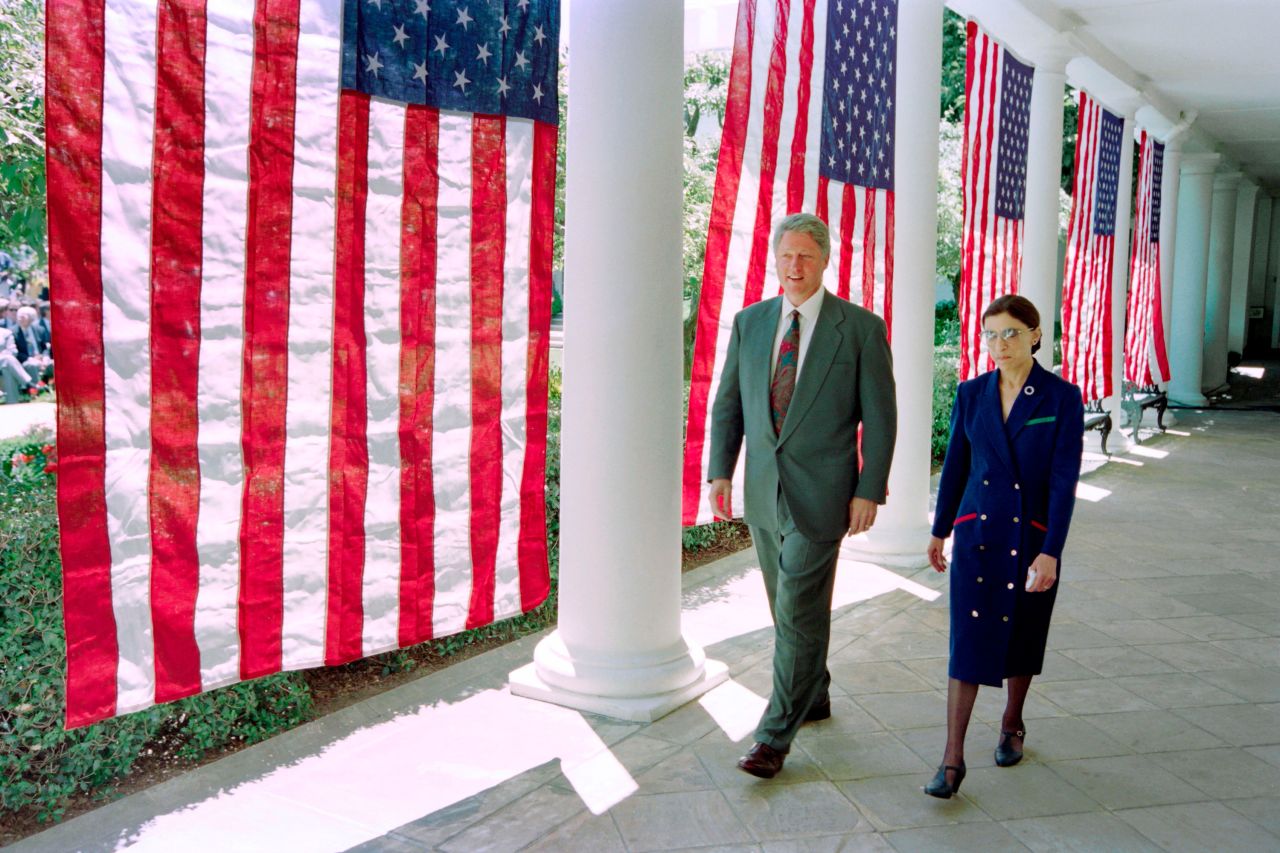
(1003, 334)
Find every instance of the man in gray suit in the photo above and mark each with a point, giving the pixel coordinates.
(804, 371)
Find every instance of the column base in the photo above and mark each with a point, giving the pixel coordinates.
(1179, 397)
(895, 547)
(637, 688)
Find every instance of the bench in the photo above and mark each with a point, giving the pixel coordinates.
(1135, 399)
(1096, 417)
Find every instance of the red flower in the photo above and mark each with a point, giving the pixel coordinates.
(51, 468)
(26, 458)
(47, 449)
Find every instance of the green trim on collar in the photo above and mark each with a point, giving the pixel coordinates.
(1047, 420)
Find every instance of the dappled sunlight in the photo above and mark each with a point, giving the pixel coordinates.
(1123, 461)
(1149, 452)
(390, 773)
(1084, 491)
(735, 708)
(1251, 372)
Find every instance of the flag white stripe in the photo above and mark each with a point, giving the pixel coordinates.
(310, 365)
(813, 136)
(831, 275)
(451, 433)
(128, 109)
(787, 123)
(228, 71)
(380, 584)
(515, 364)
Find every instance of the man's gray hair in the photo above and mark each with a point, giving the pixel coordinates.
(805, 223)
(28, 311)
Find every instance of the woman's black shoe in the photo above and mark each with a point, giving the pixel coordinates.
(939, 788)
(1006, 755)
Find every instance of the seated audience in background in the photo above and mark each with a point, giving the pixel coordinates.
(10, 320)
(33, 345)
(14, 379)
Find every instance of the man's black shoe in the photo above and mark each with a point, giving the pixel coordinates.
(762, 760)
(819, 711)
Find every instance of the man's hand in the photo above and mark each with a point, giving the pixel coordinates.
(721, 498)
(862, 514)
(936, 558)
(1046, 573)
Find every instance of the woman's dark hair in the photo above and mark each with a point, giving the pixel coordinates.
(1019, 308)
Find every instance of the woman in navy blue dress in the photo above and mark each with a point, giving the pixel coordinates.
(1007, 490)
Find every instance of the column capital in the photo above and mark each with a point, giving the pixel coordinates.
(1227, 181)
(1200, 163)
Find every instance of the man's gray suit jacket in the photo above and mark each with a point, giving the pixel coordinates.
(846, 380)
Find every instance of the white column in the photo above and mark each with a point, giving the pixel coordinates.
(1040, 267)
(1191, 252)
(1169, 183)
(1246, 204)
(901, 530)
(618, 649)
(1120, 276)
(1217, 308)
(1271, 292)
(1258, 278)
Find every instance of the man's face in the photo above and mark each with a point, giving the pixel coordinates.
(24, 320)
(799, 263)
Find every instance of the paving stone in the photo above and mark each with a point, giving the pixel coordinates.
(1198, 827)
(1095, 832)
(1226, 603)
(929, 743)
(874, 754)
(1110, 661)
(389, 844)
(683, 725)
(1242, 725)
(1153, 731)
(1126, 781)
(906, 710)
(1196, 657)
(1176, 690)
(978, 837)
(859, 677)
(1075, 635)
(864, 842)
(677, 821)
(681, 772)
(923, 644)
(1140, 632)
(1222, 773)
(991, 702)
(1059, 667)
(1257, 684)
(1264, 651)
(434, 828)
(1024, 790)
(1099, 696)
(596, 833)
(772, 812)
(1267, 623)
(520, 823)
(1270, 754)
(1063, 738)
(720, 757)
(1212, 628)
(847, 717)
(1260, 810)
(932, 670)
(897, 802)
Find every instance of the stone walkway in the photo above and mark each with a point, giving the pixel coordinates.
(1156, 725)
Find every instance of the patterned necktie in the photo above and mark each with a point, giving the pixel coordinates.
(784, 374)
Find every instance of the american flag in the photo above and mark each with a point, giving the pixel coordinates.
(808, 126)
(1145, 360)
(302, 257)
(1090, 254)
(997, 114)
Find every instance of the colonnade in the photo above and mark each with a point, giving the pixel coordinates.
(619, 648)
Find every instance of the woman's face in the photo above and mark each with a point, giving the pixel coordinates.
(1009, 341)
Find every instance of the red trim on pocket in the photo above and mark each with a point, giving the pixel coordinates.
(1038, 526)
(970, 517)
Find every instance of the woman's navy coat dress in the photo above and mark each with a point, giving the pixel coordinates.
(1007, 491)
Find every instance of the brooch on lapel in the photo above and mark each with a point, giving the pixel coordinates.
(1029, 390)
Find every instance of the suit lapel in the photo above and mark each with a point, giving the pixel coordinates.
(993, 420)
(1033, 392)
(817, 363)
(757, 346)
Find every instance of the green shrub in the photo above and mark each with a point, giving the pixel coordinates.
(946, 366)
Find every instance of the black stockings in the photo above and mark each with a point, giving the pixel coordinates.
(960, 699)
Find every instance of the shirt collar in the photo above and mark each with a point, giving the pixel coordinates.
(809, 309)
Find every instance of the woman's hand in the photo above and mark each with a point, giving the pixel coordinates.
(1046, 573)
(936, 559)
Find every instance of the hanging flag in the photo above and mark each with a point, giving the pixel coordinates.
(809, 126)
(1145, 359)
(302, 253)
(1090, 254)
(997, 119)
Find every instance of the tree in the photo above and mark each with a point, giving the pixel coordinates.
(22, 207)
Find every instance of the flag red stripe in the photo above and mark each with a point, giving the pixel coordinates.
(800, 134)
(719, 233)
(822, 212)
(970, 294)
(535, 579)
(418, 223)
(984, 197)
(349, 411)
(889, 220)
(75, 49)
(869, 248)
(488, 248)
(266, 332)
(173, 482)
(848, 218)
(758, 263)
